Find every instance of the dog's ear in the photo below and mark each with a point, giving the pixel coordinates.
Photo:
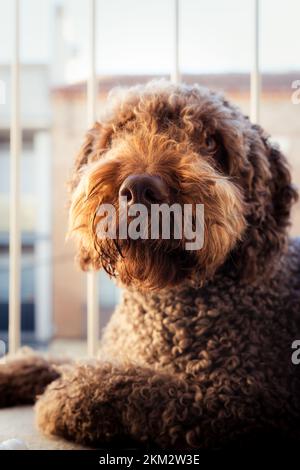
(96, 142)
(266, 183)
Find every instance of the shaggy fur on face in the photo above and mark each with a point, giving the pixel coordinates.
(207, 152)
(191, 179)
(199, 349)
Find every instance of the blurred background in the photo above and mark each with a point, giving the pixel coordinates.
(134, 43)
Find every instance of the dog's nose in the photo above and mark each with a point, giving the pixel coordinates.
(144, 189)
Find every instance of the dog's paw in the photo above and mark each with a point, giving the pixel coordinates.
(76, 406)
(23, 377)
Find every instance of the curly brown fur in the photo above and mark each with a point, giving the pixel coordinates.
(144, 135)
(198, 352)
(207, 152)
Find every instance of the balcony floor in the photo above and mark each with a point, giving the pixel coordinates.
(18, 423)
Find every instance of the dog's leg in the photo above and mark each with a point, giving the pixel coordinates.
(94, 404)
(25, 377)
(98, 403)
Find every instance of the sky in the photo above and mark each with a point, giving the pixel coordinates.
(136, 36)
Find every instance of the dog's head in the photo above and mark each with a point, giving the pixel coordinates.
(176, 144)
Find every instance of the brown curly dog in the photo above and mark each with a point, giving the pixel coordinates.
(198, 352)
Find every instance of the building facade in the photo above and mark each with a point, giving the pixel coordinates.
(36, 204)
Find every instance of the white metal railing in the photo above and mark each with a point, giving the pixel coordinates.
(175, 74)
(14, 206)
(255, 73)
(93, 313)
(15, 153)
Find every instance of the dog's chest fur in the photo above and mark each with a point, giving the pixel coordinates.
(223, 325)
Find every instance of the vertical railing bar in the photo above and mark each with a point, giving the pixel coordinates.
(92, 277)
(175, 74)
(14, 333)
(255, 73)
(91, 83)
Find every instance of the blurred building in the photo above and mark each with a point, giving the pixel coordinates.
(36, 193)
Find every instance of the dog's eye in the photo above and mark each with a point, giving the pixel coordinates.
(210, 143)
